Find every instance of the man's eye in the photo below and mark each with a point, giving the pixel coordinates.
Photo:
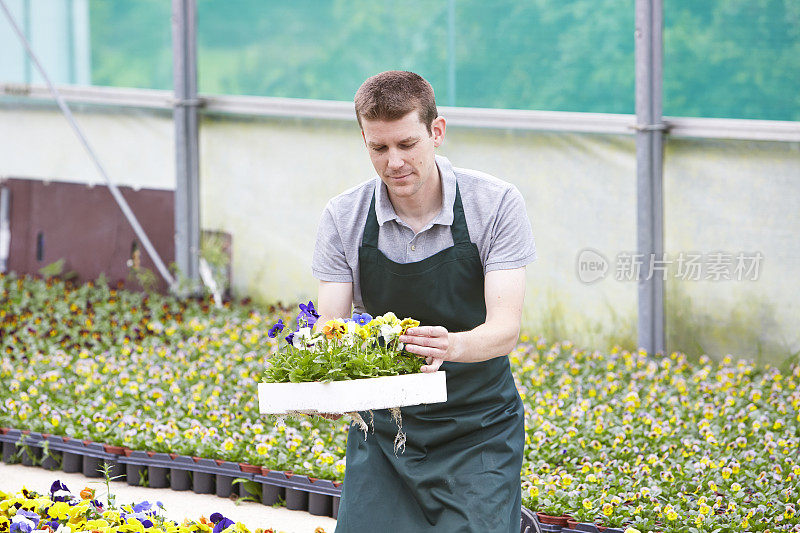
(379, 148)
(407, 146)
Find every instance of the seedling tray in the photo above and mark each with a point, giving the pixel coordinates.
(352, 395)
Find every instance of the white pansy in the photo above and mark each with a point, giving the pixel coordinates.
(302, 338)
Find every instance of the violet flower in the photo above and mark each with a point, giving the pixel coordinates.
(275, 329)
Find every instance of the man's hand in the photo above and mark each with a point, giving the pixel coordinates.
(434, 343)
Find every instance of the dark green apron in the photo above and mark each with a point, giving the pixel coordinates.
(460, 471)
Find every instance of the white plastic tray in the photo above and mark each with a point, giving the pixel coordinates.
(352, 395)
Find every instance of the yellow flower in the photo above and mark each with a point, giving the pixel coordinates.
(672, 515)
(407, 323)
(588, 504)
(608, 509)
(59, 511)
(334, 329)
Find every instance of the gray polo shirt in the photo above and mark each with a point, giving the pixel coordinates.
(494, 209)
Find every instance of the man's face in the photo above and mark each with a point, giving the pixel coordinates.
(402, 152)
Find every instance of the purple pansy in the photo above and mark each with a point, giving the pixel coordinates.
(308, 315)
(24, 522)
(275, 329)
(222, 525)
(362, 318)
(57, 486)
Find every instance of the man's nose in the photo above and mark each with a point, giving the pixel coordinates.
(395, 161)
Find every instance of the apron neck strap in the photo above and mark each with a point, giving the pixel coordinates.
(459, 228)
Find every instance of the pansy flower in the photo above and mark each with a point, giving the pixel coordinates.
(275, 329)
(361, 318)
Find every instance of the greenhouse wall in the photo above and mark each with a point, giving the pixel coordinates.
(266, 181)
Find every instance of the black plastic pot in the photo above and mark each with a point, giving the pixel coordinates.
(51, 461)
(72, 462)
(158, 467)
(224, 486)
(244, 492)
(10, 453)
(135, 474)
(180, 479)
(226, 473)
(271, 494)
(31, 455)
(296, 499)
(91, 466)
(204, 477)
(157, 477)
(335, 510)
(180, 476)
(134, 463)
(320, 504)
(204, 483)
(10, 449)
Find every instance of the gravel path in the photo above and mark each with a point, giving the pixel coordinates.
(178, 504)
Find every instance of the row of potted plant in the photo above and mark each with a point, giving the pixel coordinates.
(623, 437)
(179, 472)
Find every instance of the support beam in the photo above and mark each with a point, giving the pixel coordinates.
(649, 169)
(187, 186)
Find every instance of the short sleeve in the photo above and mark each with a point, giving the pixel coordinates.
(512, 244)
(330, 262)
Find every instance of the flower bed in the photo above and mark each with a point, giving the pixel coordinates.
(61, 511)
(624, 438)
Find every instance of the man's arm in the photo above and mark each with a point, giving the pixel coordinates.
(504, 292)
(334, 300)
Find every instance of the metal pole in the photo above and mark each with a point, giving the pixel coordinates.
(649, 164)
(187, 186)
(123, 205)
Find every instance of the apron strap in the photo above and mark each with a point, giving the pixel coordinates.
(459, 228)
(371, 228)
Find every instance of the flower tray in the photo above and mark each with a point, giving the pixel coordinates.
(352, 395)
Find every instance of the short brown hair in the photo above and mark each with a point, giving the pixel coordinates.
(393, 94)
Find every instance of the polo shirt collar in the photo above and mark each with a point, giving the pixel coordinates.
(384, 211)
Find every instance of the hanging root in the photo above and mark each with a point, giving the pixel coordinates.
(355, 417)
(295, 415)
(400, 438)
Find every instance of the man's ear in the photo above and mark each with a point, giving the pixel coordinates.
(438, 127)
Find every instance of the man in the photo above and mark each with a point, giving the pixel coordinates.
(447, 247)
